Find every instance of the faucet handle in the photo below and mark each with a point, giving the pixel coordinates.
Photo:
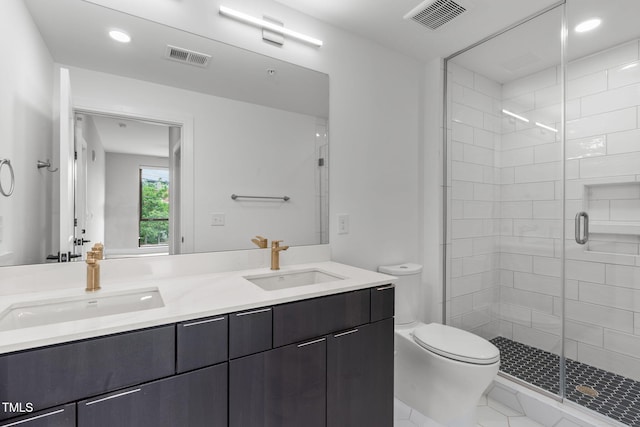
(92, 257)
(260, 242)
(276, 243)
(98, 248)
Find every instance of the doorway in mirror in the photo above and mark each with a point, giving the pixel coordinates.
(127, 185)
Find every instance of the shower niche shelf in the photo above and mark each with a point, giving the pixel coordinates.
(614, 217)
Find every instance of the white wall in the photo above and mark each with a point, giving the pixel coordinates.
(25, 138)
(375, 125)
(473, 223)
(122, 200)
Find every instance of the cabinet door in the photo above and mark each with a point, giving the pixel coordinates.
(195, 399)
(360, 376)
(284, 387)
(62, 416)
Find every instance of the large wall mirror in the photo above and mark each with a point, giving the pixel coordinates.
(148, 141)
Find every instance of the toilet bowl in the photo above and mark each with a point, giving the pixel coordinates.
(440, 371)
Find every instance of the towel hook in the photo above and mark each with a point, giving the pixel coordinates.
(5, 193)
(47, 165)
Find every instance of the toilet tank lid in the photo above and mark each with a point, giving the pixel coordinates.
(456, 344)
(400, 269)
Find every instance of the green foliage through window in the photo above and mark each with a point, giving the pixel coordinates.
(154, 207)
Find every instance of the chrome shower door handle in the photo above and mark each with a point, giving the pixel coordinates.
(582, 237)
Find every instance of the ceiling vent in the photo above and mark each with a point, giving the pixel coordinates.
(433, 14)
(187, 56)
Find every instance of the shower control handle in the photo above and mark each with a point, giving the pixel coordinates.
(582, 237)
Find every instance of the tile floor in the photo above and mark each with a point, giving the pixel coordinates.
(611, 395)
(490, 414)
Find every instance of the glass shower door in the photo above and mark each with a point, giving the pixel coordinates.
(504, 229)
(602, 205)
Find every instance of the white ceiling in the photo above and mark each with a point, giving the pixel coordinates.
(518, 53)
(124, 136)
(382, 21)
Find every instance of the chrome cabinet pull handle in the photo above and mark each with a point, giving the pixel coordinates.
(246, 313)
(217, 319)
(353, 331)
(113, 396)
(59, 411)
(384, 288)
(311, 342)
(582, 238)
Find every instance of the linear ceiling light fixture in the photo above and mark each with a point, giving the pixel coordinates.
(514, 115)
(231, 13)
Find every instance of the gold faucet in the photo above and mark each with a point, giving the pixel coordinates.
(275, 253)
(93, 271)
(260, 242)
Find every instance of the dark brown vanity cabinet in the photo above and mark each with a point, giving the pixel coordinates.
(303, 320)
(382, 302)
(284, 387)
(201, 342)
(330, 366)
(60, 416)
(194, 399)
(250, 332)
(325, 362)
(59, 374)
(360, 376)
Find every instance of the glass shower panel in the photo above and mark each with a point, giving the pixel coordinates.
(603, 180)
(504, 229)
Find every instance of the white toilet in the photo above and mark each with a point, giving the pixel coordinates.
(440, 371)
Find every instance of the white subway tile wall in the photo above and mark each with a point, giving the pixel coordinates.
(506, 194)
(475, 227)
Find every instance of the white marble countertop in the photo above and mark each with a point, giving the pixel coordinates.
(185, 298)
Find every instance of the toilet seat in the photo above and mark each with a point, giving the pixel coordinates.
(456, 344)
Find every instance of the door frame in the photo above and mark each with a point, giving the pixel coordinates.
(186, 215)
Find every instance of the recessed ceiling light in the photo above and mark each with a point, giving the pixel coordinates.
(120, 36)
(588, 25)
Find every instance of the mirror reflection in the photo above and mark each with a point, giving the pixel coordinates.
(150, 147)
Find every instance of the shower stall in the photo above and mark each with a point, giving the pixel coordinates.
(542, 202)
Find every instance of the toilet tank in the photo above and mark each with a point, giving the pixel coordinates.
(407, 290)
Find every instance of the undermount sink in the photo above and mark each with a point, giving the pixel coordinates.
(291, 279)
(38, 313)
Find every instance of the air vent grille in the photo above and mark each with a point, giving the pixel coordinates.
(436, 14)
(187, 56)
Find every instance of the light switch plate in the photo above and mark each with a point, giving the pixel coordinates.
(217, 219)
(343, 223)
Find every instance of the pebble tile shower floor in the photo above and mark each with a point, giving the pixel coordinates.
(616, 396)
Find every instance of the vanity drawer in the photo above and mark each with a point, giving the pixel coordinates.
(302, 320)
(201, 343)
(61, 416)
(382, 302)
(50, 376)
(250, 332)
